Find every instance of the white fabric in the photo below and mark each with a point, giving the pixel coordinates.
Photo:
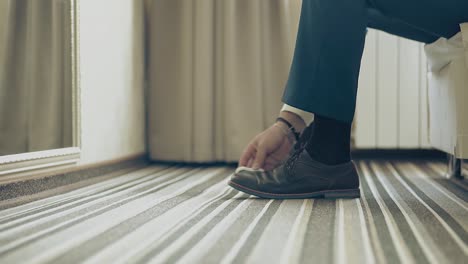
(239, 169)
(308, 117)
(448, 93)
(217, 71)
(35, 74)
(443, 51)
(464, 30)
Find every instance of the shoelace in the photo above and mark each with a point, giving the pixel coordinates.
(289, 166)
(298, 149)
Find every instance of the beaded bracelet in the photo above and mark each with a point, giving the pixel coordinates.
(287, 133)
(290, 127)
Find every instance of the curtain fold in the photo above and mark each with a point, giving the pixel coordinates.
(216, 72)
(35, 75)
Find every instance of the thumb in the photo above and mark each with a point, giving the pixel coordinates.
(260, 157)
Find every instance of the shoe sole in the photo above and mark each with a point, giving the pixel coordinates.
(332, 194)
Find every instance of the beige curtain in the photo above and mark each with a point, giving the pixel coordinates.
(35, 71)
(217, 70)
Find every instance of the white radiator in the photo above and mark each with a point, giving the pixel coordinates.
(392, 99)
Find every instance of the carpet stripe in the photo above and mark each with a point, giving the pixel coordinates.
(96, 225)
(369, 222)
(442, 170)
(340, 256)
(161, 228)
(365, 234)
(141, 178)
(381, 236)
(195, 227)
(158, 211)
(50, 202)
(401, 247)
(454, 206)
(247, 238)
(262, 231)
(294, 245)
(217, 228)
(41, 232)
(447, 222)
(452, 186)
(419, 178)
(319, 239)
(184, 214)
(270, 243)
(423, 251)
(354, 248)
(98, 206)
(198, 252)
(439, 239)
(207, 215)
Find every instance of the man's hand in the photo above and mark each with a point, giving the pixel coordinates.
(268, 149)
(271, 147)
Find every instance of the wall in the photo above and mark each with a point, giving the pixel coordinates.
(113, 120)
(391, 110)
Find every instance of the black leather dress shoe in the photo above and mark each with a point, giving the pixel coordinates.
(298, 178)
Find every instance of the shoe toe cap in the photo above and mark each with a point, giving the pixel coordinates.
(246, 177)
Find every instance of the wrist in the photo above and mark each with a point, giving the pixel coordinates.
(286, 131)
(296, 121)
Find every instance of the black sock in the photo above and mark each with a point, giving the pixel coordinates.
(330, 141)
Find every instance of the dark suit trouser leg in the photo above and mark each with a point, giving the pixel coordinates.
(330, 41)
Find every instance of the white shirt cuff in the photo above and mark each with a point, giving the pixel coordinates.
(306, 116)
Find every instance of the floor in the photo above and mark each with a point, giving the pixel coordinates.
(407, 214)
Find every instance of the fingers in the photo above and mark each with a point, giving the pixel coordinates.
(271, 163)
(260, 157)
(269, 167)
(247, 155)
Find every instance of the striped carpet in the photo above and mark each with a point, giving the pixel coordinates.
(407, 214)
